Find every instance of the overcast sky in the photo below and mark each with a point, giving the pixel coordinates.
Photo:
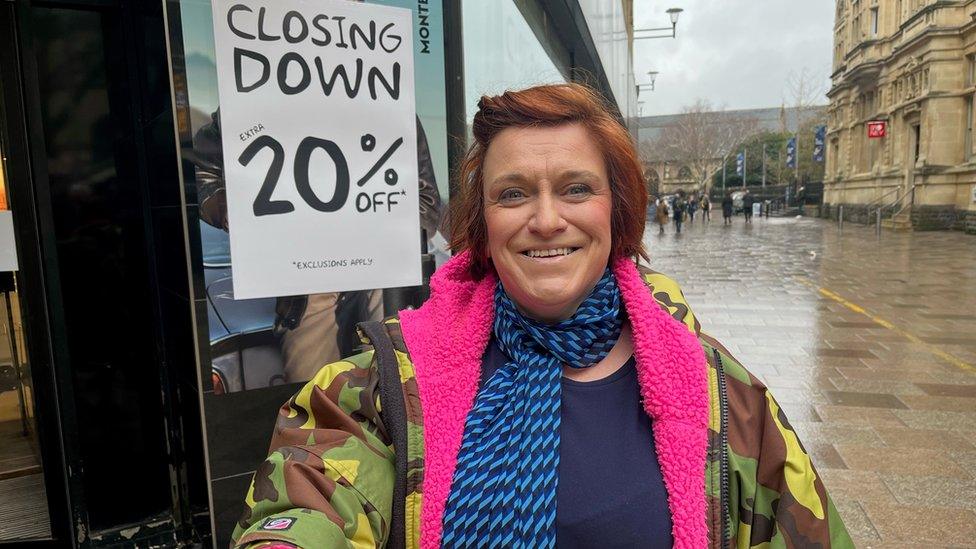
(735, 53)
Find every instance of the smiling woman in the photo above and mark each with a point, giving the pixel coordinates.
(550, 392)
(547, 213)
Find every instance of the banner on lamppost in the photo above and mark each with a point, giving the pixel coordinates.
(791, 153)
(739, 161)
(819, 141)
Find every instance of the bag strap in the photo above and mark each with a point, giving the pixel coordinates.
(394, 416)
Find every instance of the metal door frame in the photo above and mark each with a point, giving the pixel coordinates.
(51, 388)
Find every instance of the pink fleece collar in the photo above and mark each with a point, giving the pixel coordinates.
(448, 336)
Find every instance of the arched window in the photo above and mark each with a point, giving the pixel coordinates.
(684, 173)
(651, 175)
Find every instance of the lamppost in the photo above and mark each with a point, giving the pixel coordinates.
(673, 13)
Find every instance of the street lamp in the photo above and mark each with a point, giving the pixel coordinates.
(652, 77)
(673, 14)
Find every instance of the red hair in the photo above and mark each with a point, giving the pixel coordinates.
(550, 105)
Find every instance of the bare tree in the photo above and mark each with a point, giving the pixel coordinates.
(804, 93)
(700, 138)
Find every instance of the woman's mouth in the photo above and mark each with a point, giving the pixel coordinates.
(551, 253)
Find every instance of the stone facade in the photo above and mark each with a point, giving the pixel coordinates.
(853, 213)
(912, 64)
(670, 177)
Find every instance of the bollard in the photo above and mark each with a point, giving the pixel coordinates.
(840, 218)
(878, 221)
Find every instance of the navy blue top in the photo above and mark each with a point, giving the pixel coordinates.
(610, 491)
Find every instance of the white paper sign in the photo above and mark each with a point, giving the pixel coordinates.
(8, 246)
(318, 124)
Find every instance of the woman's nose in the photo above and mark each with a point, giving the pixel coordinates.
(547, 219)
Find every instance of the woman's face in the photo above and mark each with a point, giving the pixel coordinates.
(547, 208)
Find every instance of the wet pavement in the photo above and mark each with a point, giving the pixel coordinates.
(870, 347)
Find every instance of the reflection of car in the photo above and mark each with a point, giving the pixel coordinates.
(244, 351)
(737, 201)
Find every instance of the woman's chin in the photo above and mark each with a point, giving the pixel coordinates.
(550, 304)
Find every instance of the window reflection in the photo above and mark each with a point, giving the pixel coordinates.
(501, 52)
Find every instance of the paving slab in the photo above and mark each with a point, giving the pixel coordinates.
(871, 345)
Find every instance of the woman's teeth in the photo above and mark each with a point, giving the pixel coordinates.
(550, 253)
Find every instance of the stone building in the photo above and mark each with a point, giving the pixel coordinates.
(909, 63)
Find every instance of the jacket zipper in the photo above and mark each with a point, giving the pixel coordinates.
(723, 450)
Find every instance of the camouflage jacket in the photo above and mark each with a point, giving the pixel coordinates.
(329, 479)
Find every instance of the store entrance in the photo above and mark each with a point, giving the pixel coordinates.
(100, 435)
(22, 488)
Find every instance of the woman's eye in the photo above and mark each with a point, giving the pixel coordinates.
(578, 189)
(511, 194)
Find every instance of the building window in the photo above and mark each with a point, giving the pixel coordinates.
(968, 151)
(834, 157)
(874, 21)
(864, 151)
(917, 134)
(971, 70)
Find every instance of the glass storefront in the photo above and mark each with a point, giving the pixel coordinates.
(502, 51)
(137, 395)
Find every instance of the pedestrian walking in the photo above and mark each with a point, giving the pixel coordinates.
(692, 208)
(679, 208)
(706, 207)
(747, 201)
(661, 214)
(727, 209)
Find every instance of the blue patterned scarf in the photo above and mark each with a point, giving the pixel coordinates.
(504, 489)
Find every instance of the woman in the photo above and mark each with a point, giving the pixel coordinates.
(706, 206)
(727, 209)
(550, 392)
(661, 214)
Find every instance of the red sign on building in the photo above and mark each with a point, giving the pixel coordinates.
(877, 129)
